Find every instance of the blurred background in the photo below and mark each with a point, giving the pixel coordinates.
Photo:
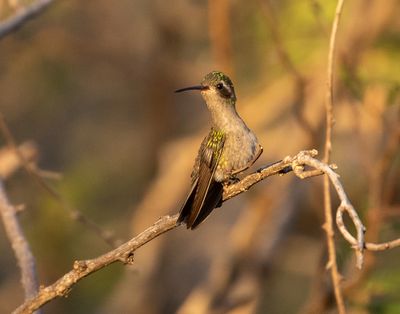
(91, 84)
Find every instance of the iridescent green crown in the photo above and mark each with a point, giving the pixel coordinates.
(215, 77)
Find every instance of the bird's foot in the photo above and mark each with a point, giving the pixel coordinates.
(232, 180)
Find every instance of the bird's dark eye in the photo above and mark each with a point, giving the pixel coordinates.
(224, 90)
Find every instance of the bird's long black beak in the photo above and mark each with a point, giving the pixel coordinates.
(198, 87)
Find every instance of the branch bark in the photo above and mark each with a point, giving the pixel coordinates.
(22, 16)
(107, 236)
(328, 226)
(81, 269)
(19, 244)
(10, 162)
(124, 253)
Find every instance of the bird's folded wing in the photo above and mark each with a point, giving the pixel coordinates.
(205, 193)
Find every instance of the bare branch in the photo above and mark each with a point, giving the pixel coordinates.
(22, 16)
(382, 246)
(328, 226)
(9, 161)
(22, 251)
(349, 237)
(77, 215)
(81, 269)
(345, 205)
(124, 253)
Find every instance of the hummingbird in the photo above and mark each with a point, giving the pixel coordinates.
(229, 148)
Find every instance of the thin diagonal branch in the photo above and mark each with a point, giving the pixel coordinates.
(81, 269)
(9, 161)
(20, 246)
(105, 235)
(124, 253)
(22, 16)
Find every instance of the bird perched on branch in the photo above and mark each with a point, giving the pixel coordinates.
(230, 148)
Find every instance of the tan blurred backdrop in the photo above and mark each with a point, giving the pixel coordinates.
(91, 83)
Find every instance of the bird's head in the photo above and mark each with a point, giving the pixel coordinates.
(216, 86)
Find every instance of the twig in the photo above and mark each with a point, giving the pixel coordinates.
(328, 226)
(22, 251)
(368, 245)
(22, 16)
(9, 161)
(106, 235)
(382, 246)
(81, 269)
(354, 44)
(254, 240)
(379, 198)
(124, 253)
(345, 206)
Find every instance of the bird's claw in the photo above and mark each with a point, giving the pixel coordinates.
(232, 180)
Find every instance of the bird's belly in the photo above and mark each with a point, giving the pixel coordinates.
(238, 152)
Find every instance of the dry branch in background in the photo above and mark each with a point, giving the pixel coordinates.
(36, 174)
(328, 225)
(354, 58)
(124, 253)
(10, 162)
(81, 269)
(258, 232)
(20, 245)
(22, 15)
(253, 235)
(355, 41)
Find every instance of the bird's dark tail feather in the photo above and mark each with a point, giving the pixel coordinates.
(187, 206)
(191, 214)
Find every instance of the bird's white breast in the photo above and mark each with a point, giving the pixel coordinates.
(240, 149)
